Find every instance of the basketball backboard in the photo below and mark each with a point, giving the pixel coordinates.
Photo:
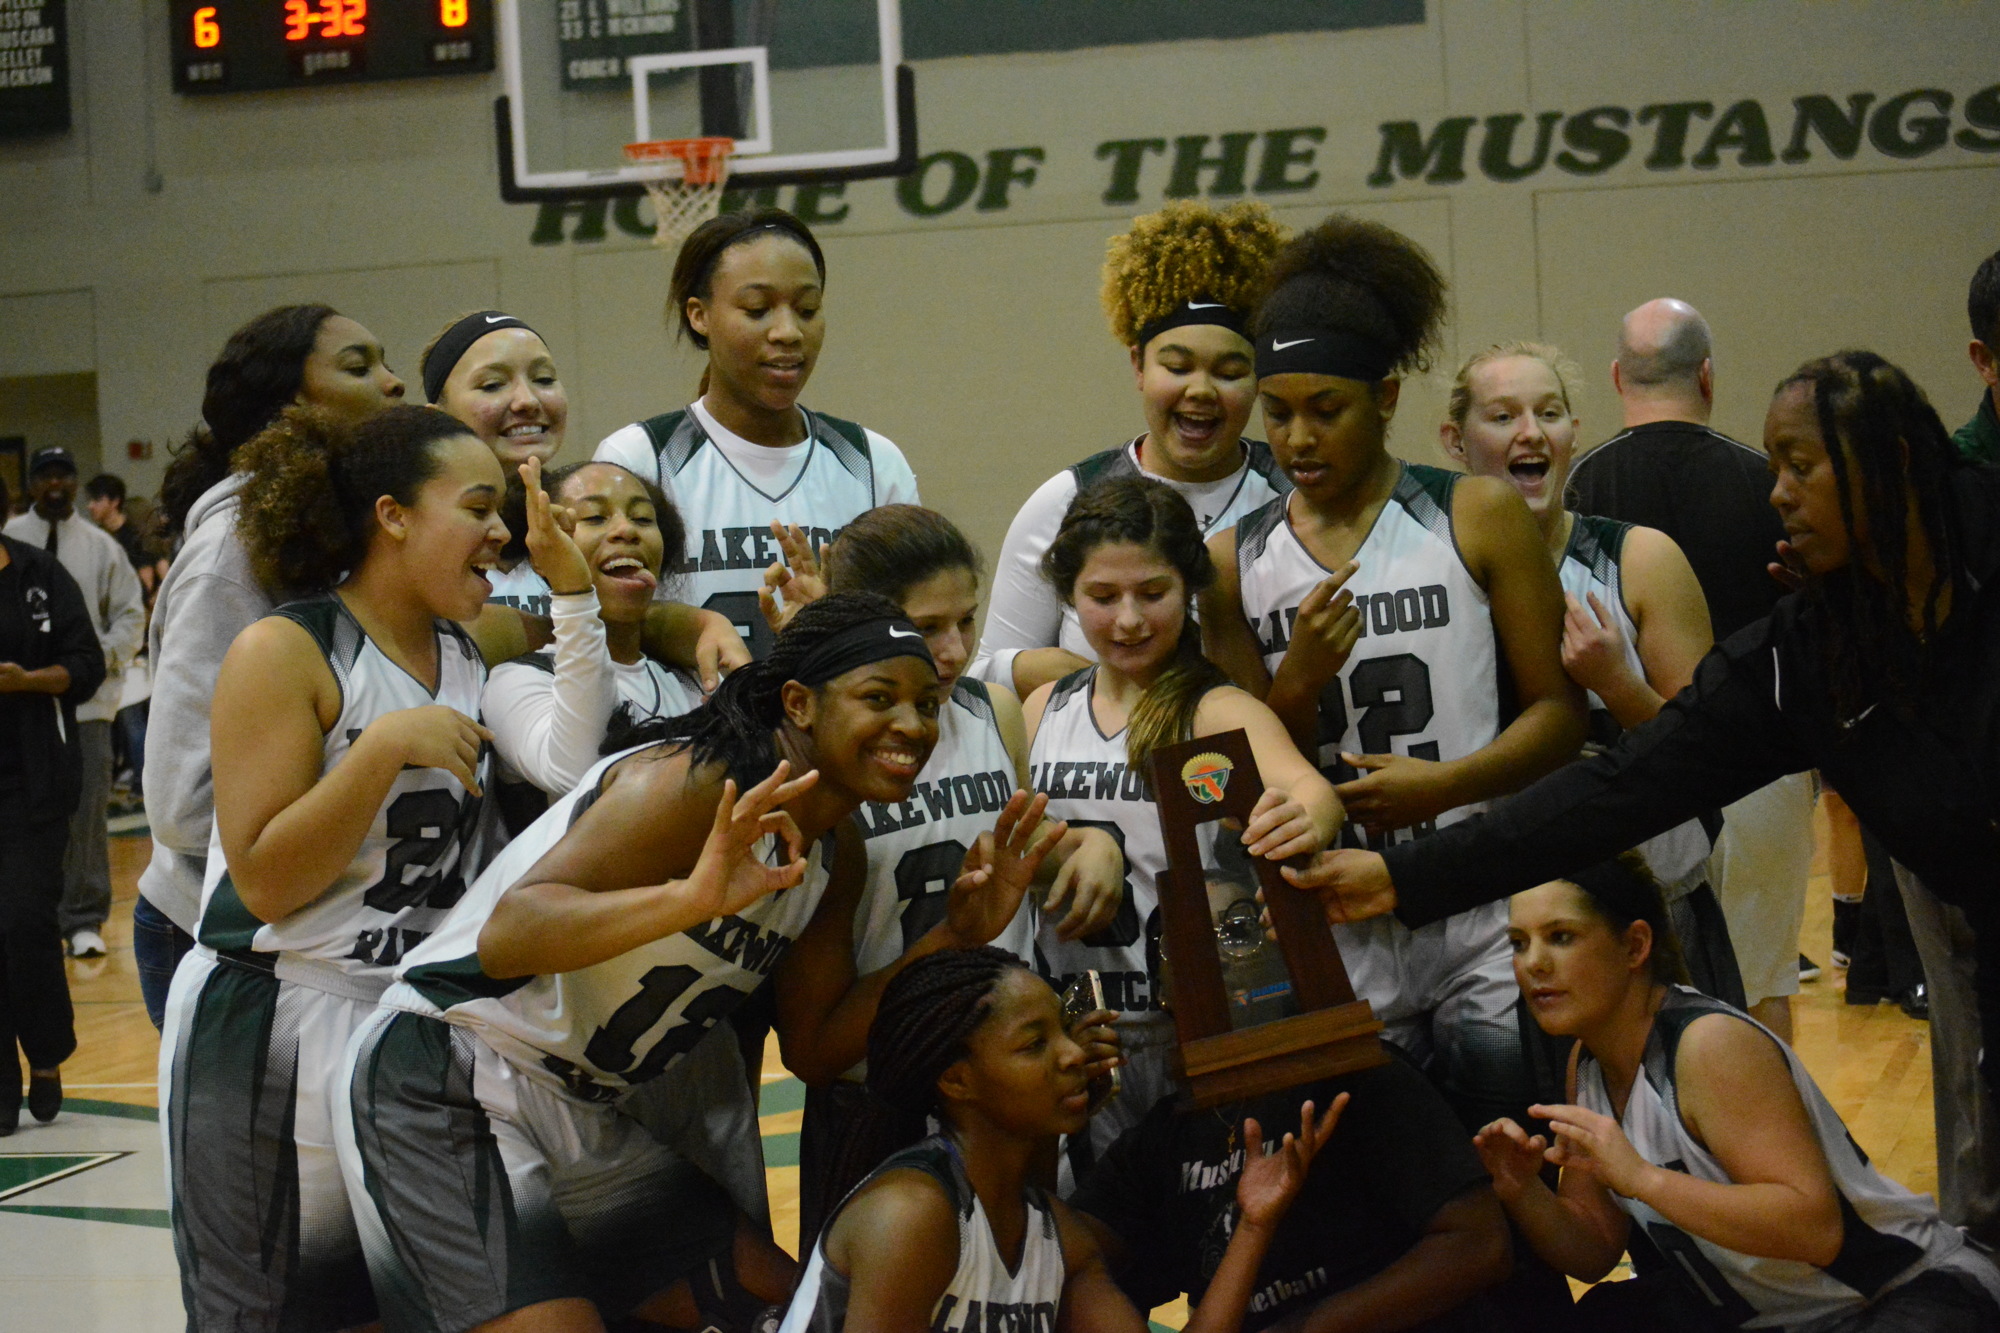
(809, 89)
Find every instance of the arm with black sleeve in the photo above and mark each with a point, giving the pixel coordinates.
(1721, 738)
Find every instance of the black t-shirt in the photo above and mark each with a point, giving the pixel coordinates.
(1710, 493)
(1167, 1187)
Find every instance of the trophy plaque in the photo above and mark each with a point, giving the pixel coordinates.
(1254, 1014)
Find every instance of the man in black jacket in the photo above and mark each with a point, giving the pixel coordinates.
(1668, 470)
(49, 661)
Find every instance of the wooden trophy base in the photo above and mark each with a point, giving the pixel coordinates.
(1287, 1053)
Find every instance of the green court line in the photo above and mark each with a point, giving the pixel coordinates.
(131, 1217)
(119, 1110)
(785, 1094)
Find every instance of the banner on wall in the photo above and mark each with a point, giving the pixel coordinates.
(34, 67)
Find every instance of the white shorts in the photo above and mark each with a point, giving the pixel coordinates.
(1759, 870)
(262, 1227)
(479, 1190)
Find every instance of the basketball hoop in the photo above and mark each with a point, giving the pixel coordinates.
(683, 202)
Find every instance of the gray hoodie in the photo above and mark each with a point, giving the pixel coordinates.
(209, 597)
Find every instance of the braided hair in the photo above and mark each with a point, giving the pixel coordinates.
(927, 1013)
(1886, 444)
(735, 727)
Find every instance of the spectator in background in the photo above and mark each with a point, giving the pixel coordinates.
(117, 608)
(49, 662)
(1979, 438)
(106, 507)
(1668, 470)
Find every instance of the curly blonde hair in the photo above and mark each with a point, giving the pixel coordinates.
(1569, 377)
(1188, 250)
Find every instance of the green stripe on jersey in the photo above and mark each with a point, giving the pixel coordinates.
(228, 924)
(459, 980)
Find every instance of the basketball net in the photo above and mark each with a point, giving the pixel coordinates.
(685, 201)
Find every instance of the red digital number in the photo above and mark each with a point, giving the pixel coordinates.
(333, 18)
(207, 32)
(453, 13)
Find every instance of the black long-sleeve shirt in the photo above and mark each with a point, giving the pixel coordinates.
(43, 622)
(1926, 781)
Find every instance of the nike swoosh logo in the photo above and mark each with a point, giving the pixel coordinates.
(1204, 305)
(1279, 347)
(495, 319)
(903, 633)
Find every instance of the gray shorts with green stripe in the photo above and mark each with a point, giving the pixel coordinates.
(479, 1190)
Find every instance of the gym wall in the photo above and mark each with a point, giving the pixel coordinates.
(1810, 174)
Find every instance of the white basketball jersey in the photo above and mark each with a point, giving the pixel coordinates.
(1424, 680)
(521, 588)
(915, 847)
(600, 1030)
(1678, 858)
(424, 841)
(847, 471)
(983, 1295)
(1891, 1233)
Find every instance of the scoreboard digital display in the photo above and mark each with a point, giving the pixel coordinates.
(233, 46)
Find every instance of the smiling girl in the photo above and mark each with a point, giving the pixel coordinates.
(1129, 558)
(347, 772)
(748, 289)
(1179, 288)
(1637, 622)
(950, 1235)
(595, 953)
(1696, 1123)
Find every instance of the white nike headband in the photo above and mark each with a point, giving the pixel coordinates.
(455, 342)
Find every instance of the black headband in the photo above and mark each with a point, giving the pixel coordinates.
(1194, 310)
(1617, 886)
(1336, 352)
(455, 341)
(857, 646)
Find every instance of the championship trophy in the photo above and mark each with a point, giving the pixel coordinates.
(1254, 1014)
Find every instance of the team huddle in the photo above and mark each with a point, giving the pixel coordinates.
(515, 805)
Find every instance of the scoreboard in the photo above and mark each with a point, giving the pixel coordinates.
(229, 46)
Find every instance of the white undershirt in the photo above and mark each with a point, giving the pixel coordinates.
(771, 469)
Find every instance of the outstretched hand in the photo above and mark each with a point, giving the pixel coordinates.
(1511, 1156)
(1595, 1144)
(1280, 827)
(1394, 791)
(552, 550)
(1351, 885)
(1269, 1184)
(1090, 885)
(728, 877)
(791, 582)
(998, 869)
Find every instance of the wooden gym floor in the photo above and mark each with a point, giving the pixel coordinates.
(83, 1239)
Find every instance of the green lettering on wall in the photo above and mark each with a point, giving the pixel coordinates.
(1006, 167)
(1127, 156)
(810, 203)
(1982, 110)
(1405, 152)
(1496, 153)
(913, 194)
(1282, 152)
(550, 214)
(1816, 113)
(1895, 135)
(1743, 128)
(1230, 164)
(625, 216)
(1594, 145)
(1670, 140)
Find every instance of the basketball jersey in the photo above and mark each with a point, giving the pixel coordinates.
(983, 1295)
(847, 471)
(1890, 1233)
(916, 846)
(1424, 679)
(600, 1030)
(1591, 563)
(422, 844)
(521, 588)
